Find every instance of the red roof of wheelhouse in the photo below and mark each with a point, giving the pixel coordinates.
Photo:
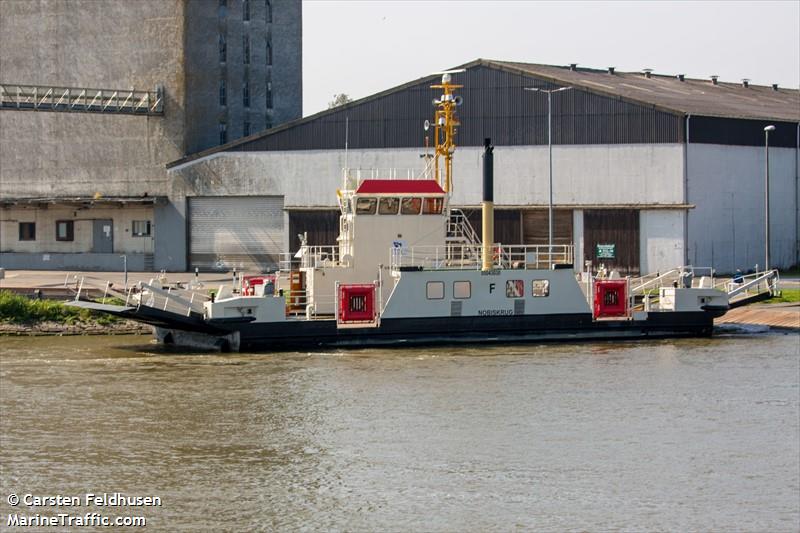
(399, 187)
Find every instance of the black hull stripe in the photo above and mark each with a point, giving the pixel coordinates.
(471, 330)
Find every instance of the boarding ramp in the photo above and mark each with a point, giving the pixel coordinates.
(749, 288)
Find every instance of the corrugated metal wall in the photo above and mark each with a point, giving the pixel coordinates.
(737, 132)
(495, 105)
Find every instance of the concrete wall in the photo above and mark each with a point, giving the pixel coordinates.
(590, 175)
(82, 43)
(726, 229)
(73, 261)
(206, 21)
(287, 60)
(660, 240)
(83, 220)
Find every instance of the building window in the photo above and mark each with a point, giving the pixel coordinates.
(269, 10)
(246, 49)
(27, 231)
(141, 228)
(245, 10)
(267, 123)
(515, 288)
(223, 3)
(269, 52)
(223, 99)
(541, 288)
(269, 95)
(246, 93)
(246, 128)
(65, 230)
(223, 133)
(462, 289)
(223, 49)
(435, 290)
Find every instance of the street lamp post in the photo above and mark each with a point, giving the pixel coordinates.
(767, 130)
(549, 92)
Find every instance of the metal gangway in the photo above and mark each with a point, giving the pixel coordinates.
(20, 97)
(741, 289)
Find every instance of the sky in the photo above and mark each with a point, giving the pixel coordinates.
(363, 47)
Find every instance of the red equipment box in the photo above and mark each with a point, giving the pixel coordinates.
(356, 303)
(610, 298)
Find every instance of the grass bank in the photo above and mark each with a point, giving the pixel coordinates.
(787, 296)
(16, 309)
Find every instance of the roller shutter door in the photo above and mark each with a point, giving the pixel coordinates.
(241, 232)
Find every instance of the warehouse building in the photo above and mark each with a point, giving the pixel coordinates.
(650, 171)
(96, 98)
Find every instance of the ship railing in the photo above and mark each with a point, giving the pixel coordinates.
(352, 177)
(700, 277)
(179, 301)
(288, 262)
(459, 227)
(182, 301)
(468, 257)
(320, 257)
(747, 285)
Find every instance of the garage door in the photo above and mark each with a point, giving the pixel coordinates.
(245, 233)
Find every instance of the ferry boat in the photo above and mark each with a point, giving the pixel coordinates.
(409, 269)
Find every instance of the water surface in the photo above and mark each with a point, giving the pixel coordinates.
(660, 435)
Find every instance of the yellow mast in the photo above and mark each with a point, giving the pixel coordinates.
(445, 130)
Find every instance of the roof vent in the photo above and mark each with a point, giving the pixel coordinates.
(714, 79)
(611, 70)
(745, 82)
(648, 72)
(681, 77)
(573, 66)
(774, 86)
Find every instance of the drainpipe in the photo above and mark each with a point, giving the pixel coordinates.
(686, 194)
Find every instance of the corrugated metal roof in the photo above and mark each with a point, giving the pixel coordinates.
(691, 96)
(667, 94)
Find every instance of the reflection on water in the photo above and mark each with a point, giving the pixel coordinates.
(668, 435)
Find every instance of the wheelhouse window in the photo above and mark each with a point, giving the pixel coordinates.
(435, 290)
(388, 206)
(141, 228)
(432, 206)
(462, 290)
(65, 230)
(27, 231)
(366, 206)
(515, 288)
(410, 206)
(541, 288)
